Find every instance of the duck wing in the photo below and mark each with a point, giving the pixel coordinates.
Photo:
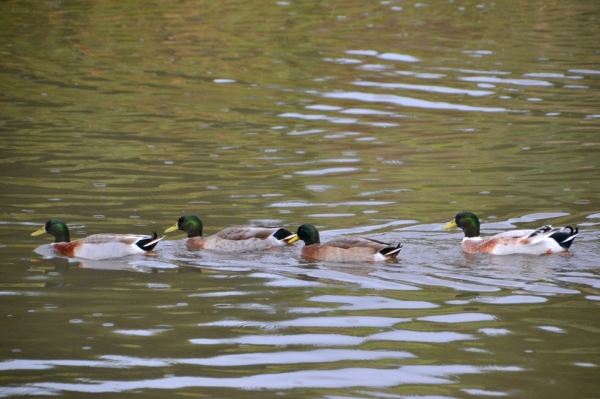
(238, 233)
(127, 239)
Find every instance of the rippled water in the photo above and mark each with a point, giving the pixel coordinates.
(381, 119)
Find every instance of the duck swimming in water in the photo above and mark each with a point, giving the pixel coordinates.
(544, 240)
(344, 248)
(232, 239)
(97, 246)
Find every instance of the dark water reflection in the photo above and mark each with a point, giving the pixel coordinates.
(381, 119)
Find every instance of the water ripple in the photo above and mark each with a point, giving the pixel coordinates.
(407, 101)
(432, 281)
(326, 171)
(371, 302)
(505, 300)
(284, 340)
(296, 357)
(458, 318)
(431, 89)
(141, 333)
(246, 359)
(337, 378)
(516, 82)
(333, 321)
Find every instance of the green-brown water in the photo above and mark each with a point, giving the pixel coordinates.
(375, 118)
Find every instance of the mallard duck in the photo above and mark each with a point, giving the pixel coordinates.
(232, 239)
(344, 248)
(97, 246)
(544, 240)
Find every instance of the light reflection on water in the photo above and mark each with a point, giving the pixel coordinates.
(403, 102)
(341, 378)
(361, 118)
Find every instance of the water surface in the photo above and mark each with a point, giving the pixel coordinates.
(381, 119)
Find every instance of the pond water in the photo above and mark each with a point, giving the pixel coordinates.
(381, 119)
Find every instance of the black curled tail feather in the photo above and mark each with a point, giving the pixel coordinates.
(391, 252)
(148, 244)
(565, 239)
